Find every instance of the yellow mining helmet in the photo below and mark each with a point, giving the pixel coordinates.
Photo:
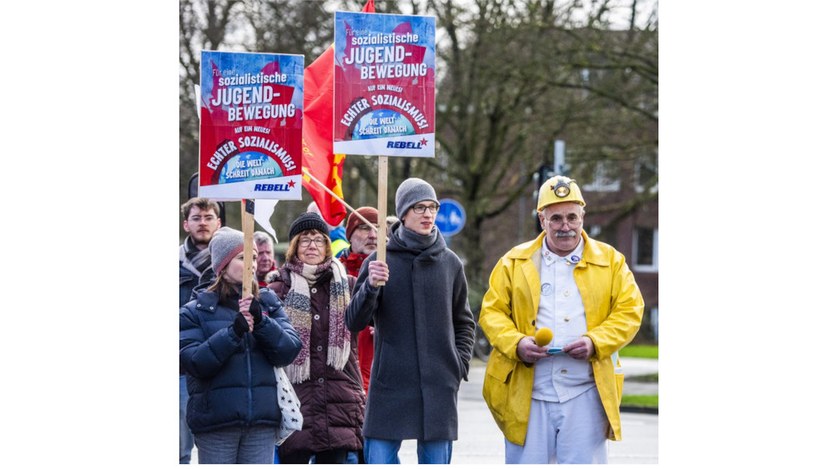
(559, 189)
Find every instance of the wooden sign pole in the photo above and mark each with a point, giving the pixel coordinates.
(247, 226)
(382, 206)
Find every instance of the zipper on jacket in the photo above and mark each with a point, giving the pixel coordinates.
(248, 353)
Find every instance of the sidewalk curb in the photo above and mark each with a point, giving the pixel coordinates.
(639, 410)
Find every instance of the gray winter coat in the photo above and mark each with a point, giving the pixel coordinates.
(423, 337)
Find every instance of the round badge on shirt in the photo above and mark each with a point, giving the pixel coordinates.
(546, 289)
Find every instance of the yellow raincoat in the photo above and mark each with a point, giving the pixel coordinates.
(614, 309)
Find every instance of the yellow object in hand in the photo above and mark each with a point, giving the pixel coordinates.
(543, 336)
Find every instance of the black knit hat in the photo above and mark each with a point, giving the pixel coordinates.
(308, 221)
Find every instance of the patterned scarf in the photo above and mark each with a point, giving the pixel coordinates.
(193, 259)
(297, 307)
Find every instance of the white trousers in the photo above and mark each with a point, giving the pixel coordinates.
(571, 432)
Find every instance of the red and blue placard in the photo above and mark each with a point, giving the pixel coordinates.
(251, 125)
(384, 85)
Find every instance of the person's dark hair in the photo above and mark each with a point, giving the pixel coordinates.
(202, 203)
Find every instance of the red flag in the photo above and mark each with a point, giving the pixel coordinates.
(317, 136)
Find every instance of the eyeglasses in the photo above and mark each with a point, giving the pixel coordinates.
(556, 221)
(319, 242)
(198, 218)
(420, 209)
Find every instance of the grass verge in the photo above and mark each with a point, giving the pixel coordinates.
(639, 401)
(639, 351)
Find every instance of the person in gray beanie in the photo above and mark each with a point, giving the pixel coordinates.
(224, 246)
(411, 191)
(228, 346)
(423, 334)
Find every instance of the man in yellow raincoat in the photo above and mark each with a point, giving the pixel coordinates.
(559, 403)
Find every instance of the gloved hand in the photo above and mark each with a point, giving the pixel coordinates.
(240, 325)
(255, 311)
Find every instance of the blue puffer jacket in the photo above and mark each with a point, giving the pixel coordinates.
(187, 282)
(230, 379)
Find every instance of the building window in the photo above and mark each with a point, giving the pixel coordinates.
(604, 178)
(645, 250)
(646, 176)
(607, 234)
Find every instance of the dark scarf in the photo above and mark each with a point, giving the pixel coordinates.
(414, 241)
(297, 306)
(198, 259)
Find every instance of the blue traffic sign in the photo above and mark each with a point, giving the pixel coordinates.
(451, 217)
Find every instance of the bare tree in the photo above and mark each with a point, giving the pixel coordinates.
(513, 77)
(518, 75)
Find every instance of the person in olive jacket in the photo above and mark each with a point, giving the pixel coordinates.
(315, 289)
(423, 334)
(228, 347)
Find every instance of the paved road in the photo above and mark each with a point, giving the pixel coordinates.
(481, 442)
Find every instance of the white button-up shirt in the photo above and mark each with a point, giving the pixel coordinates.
(559, 378)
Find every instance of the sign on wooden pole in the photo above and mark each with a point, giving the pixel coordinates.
(247, 226)
(382, 209)
(251, 107)
(384, 92)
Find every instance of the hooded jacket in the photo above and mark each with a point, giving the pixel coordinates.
(614, 309)
(423, 336)
(231, 380)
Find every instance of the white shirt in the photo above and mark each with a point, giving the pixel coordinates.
(559, 378)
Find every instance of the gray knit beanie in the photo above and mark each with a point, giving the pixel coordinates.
(225, 244)
(308, 221)
(411, 191)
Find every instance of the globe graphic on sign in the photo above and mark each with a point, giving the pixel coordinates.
(248, 166)
(382, 123)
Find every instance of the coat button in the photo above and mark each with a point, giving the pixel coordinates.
(316, 317)
(318, 348)
(566, 293)
(212, 308)
(313, 290)
(198, 305)
(533, 323)
(321, 380)
(567, 319)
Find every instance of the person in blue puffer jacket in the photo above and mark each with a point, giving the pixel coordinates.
(228, 347)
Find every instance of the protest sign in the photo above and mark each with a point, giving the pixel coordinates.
(384, 84)
(251, 125)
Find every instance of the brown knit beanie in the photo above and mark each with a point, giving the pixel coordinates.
(370, 213)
